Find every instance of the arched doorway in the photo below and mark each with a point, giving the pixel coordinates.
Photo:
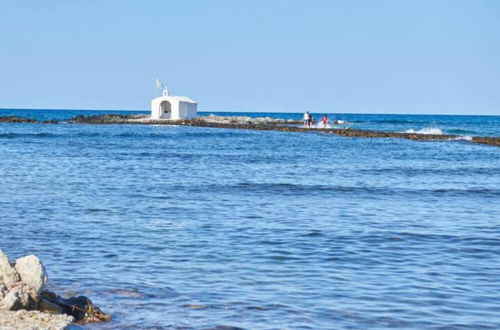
(165, 110)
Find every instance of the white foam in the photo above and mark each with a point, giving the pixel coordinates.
(321, 125)
(427, 131)
(463, 138)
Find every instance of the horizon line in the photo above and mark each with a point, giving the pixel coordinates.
(228, 111)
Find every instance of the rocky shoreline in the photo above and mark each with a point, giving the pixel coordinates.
(243, 122)
(25, 303)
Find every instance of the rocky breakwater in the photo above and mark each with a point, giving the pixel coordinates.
(25, 303)
(253, 123)
(14, 119)
(210, 121)
(267, 123)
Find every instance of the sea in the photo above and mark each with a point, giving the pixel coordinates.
(174, 227)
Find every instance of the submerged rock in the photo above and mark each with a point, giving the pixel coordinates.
(83, 310)
(22, 287)
(80, 308)
(47, 306)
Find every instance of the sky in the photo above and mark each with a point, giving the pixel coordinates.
(352, 56)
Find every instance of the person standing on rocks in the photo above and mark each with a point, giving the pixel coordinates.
(310, 121)
(307, 117)
(324, 120)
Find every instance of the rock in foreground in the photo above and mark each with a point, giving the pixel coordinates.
(24, 319)
(22, 289)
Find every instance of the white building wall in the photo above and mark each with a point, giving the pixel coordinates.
(192, 110)
(175, 109)
(179, 109)
(155, 109)
(187, 110)
(182, 109)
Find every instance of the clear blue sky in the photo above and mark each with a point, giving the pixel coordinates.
(378, 56)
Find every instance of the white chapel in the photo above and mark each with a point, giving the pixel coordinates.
(173, 107)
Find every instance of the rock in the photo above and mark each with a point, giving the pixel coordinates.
(32, 272)
(50, 121)
(22, 288)
(11, 301)
(86, 310)
(8, 274)
(494, 141)
(46, 306)
(14, 119)
(102, 119)
(15, 293)
(33, 320)
(3, 291)
(80, 308)
(17, 298)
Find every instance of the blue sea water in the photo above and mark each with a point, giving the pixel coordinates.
(170, 227)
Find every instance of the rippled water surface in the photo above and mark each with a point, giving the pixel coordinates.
(184, 227)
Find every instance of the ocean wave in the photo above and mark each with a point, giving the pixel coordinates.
(320, 125)
(462, 138)
(464, 132)
(396, 121)
(130, 134)
(89, 134)
(21, 135)
(298, 189)
(426, 131)
(468, 192)
(384, 121)
(430, 171)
